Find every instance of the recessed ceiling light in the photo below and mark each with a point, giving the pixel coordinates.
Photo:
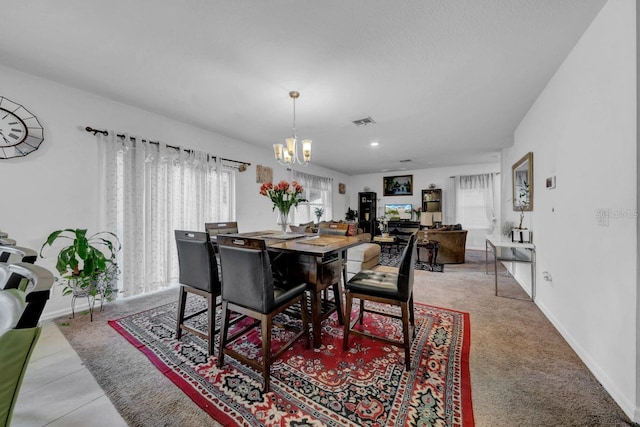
(374, 143)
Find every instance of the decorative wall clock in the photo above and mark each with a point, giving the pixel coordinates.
(20, 131)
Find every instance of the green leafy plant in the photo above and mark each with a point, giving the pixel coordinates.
(87, 263)
(318, 211)
(351, 215)
(524, 201)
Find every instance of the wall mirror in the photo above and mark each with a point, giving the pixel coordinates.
(522, 178)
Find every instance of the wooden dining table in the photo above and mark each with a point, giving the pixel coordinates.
(318, 260)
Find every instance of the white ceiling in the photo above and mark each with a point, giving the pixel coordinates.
(447, 81)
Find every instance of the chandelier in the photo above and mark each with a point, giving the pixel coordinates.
(289, 154)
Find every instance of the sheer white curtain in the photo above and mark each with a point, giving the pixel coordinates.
(318, 191)
(150, 191)
(475, 205)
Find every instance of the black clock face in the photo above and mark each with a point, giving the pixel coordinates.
(20, 131)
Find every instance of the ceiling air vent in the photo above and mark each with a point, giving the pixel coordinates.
(364, 122)
(405, 161)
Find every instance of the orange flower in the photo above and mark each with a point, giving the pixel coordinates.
(283, 195)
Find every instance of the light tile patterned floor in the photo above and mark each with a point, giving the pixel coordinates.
(59, 391)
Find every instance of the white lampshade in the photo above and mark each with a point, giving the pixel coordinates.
(306, 149)
(437, 217)
(277, 150)
(426, 219)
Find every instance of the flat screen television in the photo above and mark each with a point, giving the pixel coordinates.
(396, 211)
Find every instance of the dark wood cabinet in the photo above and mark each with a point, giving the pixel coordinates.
(432, 200)
(431, 207)
(367, 211)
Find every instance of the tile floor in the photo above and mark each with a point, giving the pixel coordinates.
(58, 390)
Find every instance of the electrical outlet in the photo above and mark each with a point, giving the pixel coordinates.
(546, 276)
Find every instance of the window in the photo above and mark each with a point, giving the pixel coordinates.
(152, 190)
(319, 193)
(475, 206)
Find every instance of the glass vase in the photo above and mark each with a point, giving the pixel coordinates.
(283, 220)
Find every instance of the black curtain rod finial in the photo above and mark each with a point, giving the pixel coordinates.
(95, 131)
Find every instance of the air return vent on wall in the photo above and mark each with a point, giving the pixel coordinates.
(364, 122)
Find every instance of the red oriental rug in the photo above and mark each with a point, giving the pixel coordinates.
(366, 385)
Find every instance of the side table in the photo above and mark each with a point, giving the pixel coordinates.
(514, 252)
(387, 242)
(432, 247)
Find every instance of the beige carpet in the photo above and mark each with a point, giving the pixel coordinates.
(522, 372)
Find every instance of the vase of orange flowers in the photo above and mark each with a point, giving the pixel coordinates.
(284, 196)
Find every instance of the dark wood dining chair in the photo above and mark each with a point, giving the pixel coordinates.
(387, 288)
(215, 228)
(198, 275)
(336, 229)
(249, 289)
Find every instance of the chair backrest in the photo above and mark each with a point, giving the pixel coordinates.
(198, 265)
(24, 254)
(247, 279)
(407, 265)
(336, 228)
(215, 228)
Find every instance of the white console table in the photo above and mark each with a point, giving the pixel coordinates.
(514, 252)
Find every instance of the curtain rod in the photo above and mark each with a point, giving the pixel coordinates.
(495, 173)
(105, 133)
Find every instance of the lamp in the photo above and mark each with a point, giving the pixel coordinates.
(437, 219)
(288, 154)
(426, 219)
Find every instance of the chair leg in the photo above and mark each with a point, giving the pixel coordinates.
(412, 316)
(337, 297)
(305, 320)
(211, 321)
(223, 333)
(347, 321)
(266, 350)
(361, 314)
(182, 301)
(405, 333)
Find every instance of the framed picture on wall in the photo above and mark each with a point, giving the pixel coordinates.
(401, 185)
(342, 189)
(263, 174)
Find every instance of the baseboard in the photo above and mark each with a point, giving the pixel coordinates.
(628, 407)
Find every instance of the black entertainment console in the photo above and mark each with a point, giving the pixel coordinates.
(402, 229)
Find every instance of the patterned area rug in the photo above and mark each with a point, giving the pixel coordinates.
(366, 385)
(392, 259)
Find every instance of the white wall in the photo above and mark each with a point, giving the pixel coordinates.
(582, 129)
(57, 186)
(441, 177)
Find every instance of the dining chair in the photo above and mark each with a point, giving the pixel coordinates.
(249, 288)
(336, 229)
(17, 253)
(215, 228)
(381, 287)
(198, 275)
(20, 310)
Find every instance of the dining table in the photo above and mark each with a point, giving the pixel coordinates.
(318, 260)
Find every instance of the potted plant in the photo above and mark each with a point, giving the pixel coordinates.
(88, 264)
(521, 234)
(319, 211)
(351, 215)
